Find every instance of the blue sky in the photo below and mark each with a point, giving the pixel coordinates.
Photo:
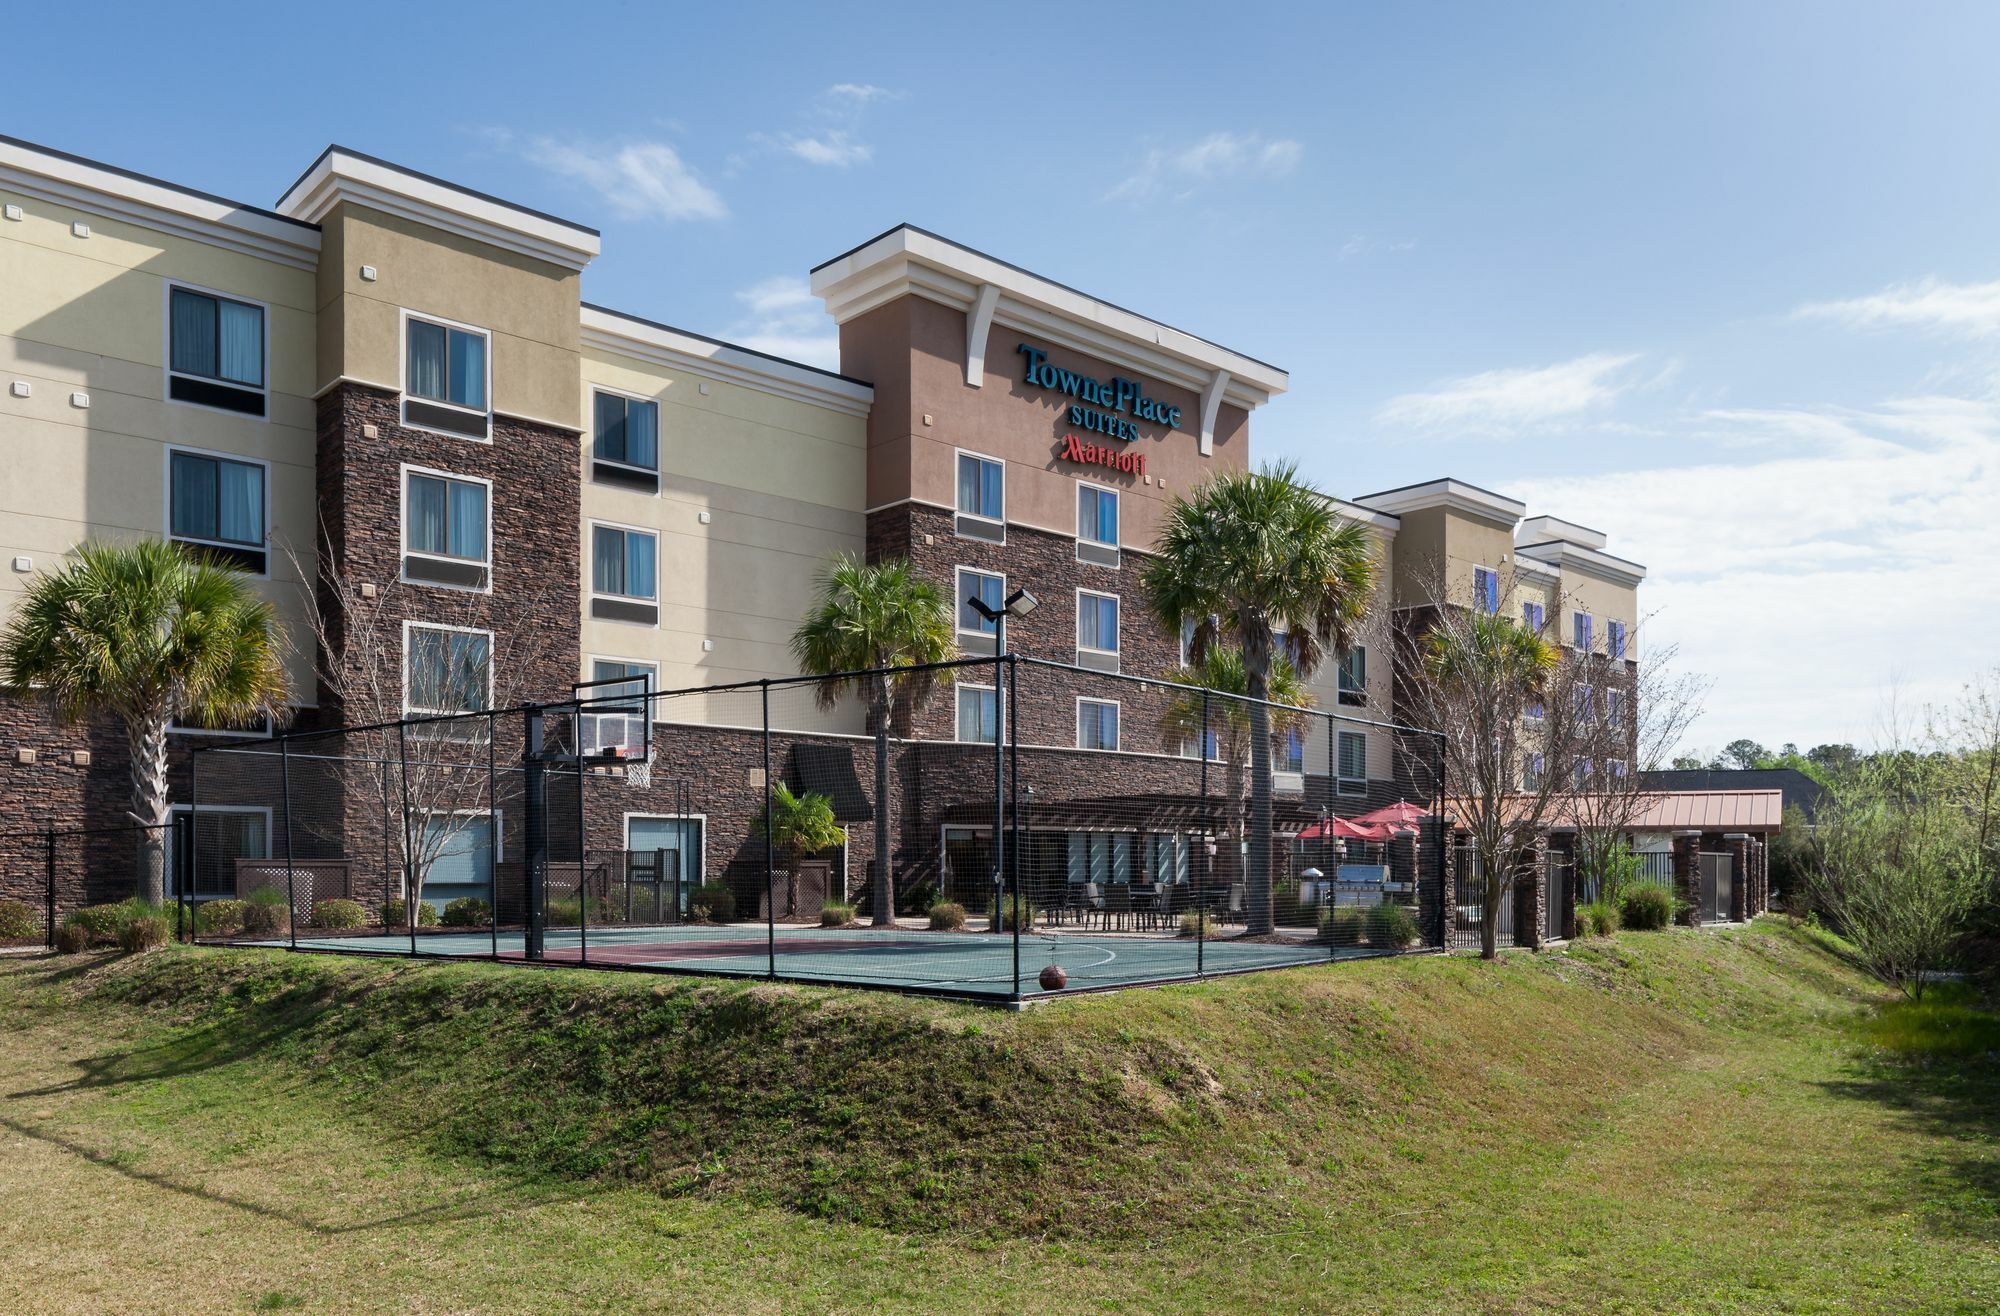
(1721, 280)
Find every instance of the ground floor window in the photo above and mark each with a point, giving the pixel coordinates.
(456, 851)
(665, 851)
(202, 862)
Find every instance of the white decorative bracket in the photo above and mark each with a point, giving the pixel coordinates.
(978, 320)
(1211, 403)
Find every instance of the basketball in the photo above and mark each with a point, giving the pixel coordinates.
(1054, 979)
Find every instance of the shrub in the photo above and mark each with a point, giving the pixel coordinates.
(466, 912)
(834, 914)
(219, 917)
(263, 916)
(1342, 924)
(1198, 923)
(1390, 926)
(394, 917)
(1007, 915)
(146, 933)
(563, 910)
(339, 915)
(71, 936)
(1646, 908)
(18, 921)
(1288, 911)
(269, 895)
(718, 899)
(101, 922)
(947, 916)
(1599, 918)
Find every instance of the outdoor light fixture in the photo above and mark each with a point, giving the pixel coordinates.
(1018, 604)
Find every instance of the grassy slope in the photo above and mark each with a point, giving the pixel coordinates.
(1679, 1120)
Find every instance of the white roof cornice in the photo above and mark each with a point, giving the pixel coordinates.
(344, 175)
(70, 180)
(909, 261)
(1580, 557)
(1453, 495)
(677, 349)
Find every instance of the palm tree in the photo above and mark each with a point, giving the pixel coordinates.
(872, 618)
(147, 631)
(1249, 555)
(1481, 673)
(1188, 715)
(799, 825)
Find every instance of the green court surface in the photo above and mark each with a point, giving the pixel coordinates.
(954, 963)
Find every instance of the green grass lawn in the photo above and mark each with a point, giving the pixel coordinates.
(1687, 1122)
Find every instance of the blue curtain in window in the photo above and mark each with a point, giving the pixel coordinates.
(462, 863)
(468, 521)
(1097, 518)
(642, 435)
(608, 569)
(194, 512)
(240, 515)
(468, 370)
(639, 566)
(1097, 624)
(192, 318)
(611, 427)
(427, 356)
(241, 339)
(425, 515)
(989, 489)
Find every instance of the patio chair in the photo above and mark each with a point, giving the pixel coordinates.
(1074, 903)
(1232, 910)
(1117, 904)
(1160, 912)
(1093, 903)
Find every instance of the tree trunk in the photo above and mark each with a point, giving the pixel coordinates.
(147, 736)
(1257, 919)
(792, 857)
(884, 900)
(1489, 931)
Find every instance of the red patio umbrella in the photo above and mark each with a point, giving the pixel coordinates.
(1345, 829)
(1400, 814)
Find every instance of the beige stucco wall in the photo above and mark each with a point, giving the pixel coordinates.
(782, 482)
(88, 315)
(1605, 601)
(1324, 684)
(529, 307)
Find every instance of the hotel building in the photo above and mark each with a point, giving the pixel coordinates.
(387, 392)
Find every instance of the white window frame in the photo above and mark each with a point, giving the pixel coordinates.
(496, 826)
(1116, 545)
(1624, 636)
(1287, 771)
(1350, 785)
(179, 728)
(1000, 522)
(1614, 769)
(1479, 596)
(403, 528)
(1117, 724)
(405, 315)
(411, 710)
(1118, 625)
(596, 593)
(167, 501)
(1532, 768)
(959, 593)
(958, 716)
(649, 815)
(659, 444)
(1590, 624)
(167, 372)
(1341, 692)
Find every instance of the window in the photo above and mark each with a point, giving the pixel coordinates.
(1531, 772)
(215, 351)
(1353, 765)
(1580, 631)
(205, 853)
(982, 498)
(1206, 745)
(622, 561)
(626, 446)
(978, 714)
(445, 530)
(1535, 711)
(1614, 638)
(1097, 629)
(1586, 705)
(445, 377)
(1485, 590)
(615, 724)
(1097, 525)
(673, 847)
(1292, 752)
(1615, 769)
(1188, 625)
(1096, 724)
(1167, 858)
(218, 503)
(1581, 773)
(1533, 615)
(461, 843)
(1100, 857)
(988, 589)
(258, 727)
(1354, 676)
(1614, 709)
(446, 669)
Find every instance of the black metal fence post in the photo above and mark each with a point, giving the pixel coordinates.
(409, 855)
(492, 836)
(1013, 821)
(285, 797)
(535, 823)
(184, 882)
(1443, 846)
(582, 864)
(1206, 843)
(770, 846)
(49, 866)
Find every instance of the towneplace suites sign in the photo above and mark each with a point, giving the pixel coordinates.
(1100, 408)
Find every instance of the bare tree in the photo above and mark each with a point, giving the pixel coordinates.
(433, 773)
(1638, 713)
(1516, 716)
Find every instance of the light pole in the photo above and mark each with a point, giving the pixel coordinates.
(1018, 604)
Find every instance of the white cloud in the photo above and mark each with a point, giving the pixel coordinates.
(640, 180)
(1180, 171)
(833, 140)
(834, 148)
(1509, 399)
(785, 319)
(859, 93)
(1969, 309)
(1858, 553)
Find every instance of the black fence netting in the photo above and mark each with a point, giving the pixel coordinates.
(999, 828)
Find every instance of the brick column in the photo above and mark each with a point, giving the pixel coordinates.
(1687, 876)
(1564, 847)
(1531, 894)
(1763, 875)
(1740, 875)
(1448, 895)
